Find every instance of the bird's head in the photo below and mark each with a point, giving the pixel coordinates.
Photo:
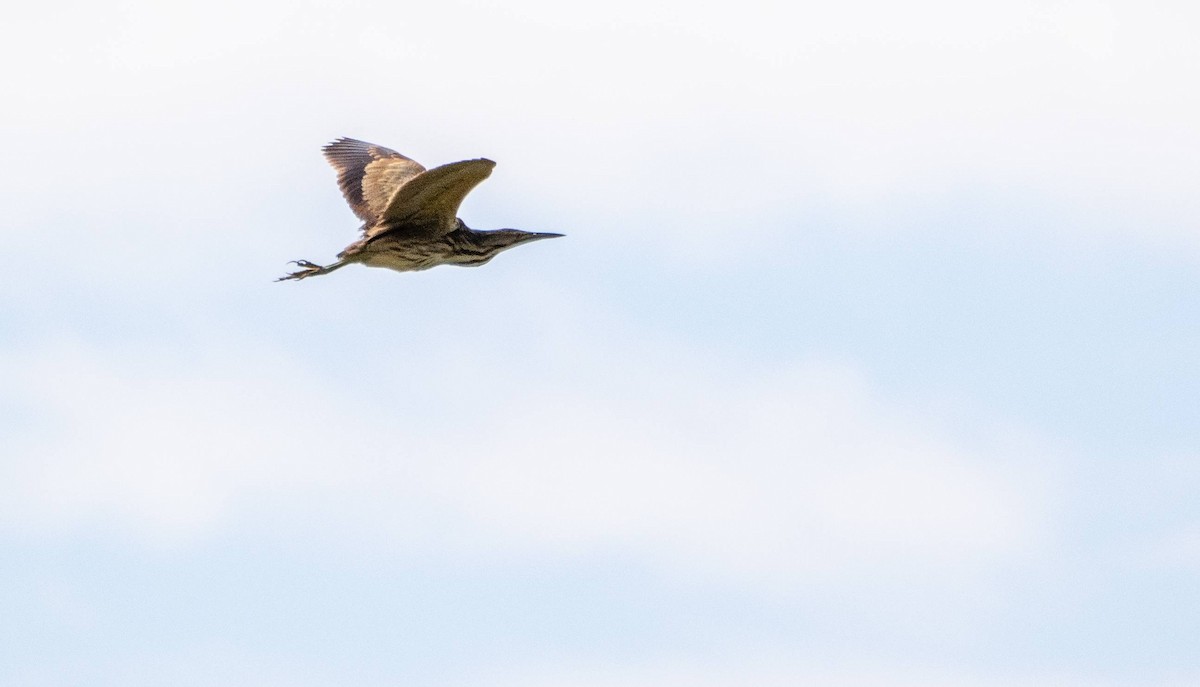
(507, 238)
(503, 239)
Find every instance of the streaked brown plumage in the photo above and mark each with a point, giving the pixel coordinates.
(410, 214)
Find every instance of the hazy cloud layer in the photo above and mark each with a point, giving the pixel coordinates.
(868, 359)
(799, 473)
(684, 116)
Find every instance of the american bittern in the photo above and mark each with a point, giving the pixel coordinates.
(409, 213)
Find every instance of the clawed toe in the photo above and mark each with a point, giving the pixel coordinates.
(312, 269)
(307, 269)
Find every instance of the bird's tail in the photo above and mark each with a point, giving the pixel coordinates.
(309, 269)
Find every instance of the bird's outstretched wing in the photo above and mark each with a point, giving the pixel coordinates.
(369, 175)
(429, 201)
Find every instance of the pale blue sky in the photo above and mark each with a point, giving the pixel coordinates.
(869, 359)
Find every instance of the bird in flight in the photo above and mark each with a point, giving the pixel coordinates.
(410, 214)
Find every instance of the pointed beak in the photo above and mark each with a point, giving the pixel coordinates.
(538, 236)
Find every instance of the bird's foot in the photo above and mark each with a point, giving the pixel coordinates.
(307, 269)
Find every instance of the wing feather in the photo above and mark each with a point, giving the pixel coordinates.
(369, 175)
(429, 202)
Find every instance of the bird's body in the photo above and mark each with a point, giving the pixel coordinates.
(410, 213)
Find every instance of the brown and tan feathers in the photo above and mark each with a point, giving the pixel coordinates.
(390, 191)
(369, 175)
(431, 199)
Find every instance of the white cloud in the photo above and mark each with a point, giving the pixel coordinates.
(799, 473)
(193, 121)
(166, 452)
(772, 672)
(1179, 547)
